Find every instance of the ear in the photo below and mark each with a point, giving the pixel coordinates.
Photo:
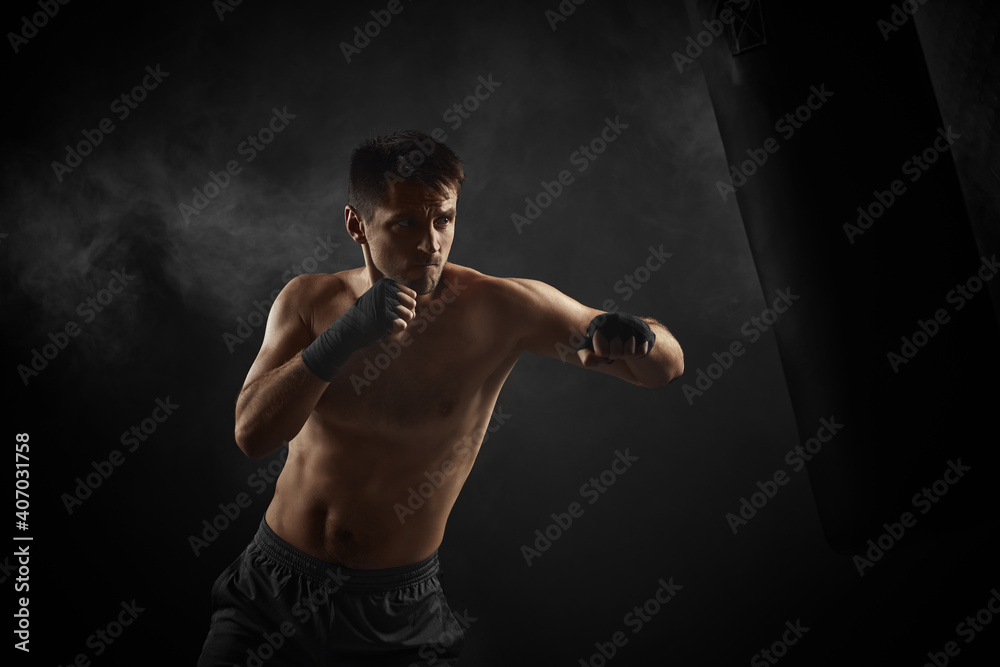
(355, 227)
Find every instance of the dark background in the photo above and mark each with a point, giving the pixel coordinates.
(163, 335)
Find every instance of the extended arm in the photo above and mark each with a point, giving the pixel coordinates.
(555, 325)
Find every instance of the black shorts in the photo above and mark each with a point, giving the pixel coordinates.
(276, 606)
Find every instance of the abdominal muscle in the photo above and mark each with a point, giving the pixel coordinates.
(347, 499)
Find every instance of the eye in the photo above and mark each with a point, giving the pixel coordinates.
(405, 223)
(443, 220)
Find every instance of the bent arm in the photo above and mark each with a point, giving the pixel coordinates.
(554, 324)
(279, 393)
(274, 408)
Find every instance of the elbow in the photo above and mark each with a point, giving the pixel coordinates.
(250, 437)
(250, 442)
(244, 434)
(246, 442)
(673, 370)
(257, 442)
(678, 367)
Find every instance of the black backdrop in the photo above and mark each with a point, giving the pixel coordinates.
(183, 328)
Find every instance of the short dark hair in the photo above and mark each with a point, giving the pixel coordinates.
(407, 155)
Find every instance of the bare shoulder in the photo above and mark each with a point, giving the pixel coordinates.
(495, 298)
(318, 297)
(532, 314)
(317, 285)
(495, 290)
(464, 275)
(524, 297)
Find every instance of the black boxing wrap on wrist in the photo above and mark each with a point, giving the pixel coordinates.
(619, 325)
(366, 322)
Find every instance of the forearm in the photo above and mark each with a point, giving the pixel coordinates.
(273, 409)
(274, 405)
(664, 363)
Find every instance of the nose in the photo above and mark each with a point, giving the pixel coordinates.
(430, 241)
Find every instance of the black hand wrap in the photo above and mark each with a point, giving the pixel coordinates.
(619, 325)
(364, 323)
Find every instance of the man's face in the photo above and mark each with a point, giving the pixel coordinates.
(410, 235)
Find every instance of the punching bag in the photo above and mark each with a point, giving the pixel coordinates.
(842, 169)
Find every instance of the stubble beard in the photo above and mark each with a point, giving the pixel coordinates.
(425, 285)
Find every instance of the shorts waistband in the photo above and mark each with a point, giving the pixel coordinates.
(338, 576)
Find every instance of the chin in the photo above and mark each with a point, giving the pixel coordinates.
(425, 286)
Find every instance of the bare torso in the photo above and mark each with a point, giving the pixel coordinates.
(392, 427)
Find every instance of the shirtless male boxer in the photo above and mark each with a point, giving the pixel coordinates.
(336, 574)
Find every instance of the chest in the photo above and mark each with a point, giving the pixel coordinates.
(430, 373)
